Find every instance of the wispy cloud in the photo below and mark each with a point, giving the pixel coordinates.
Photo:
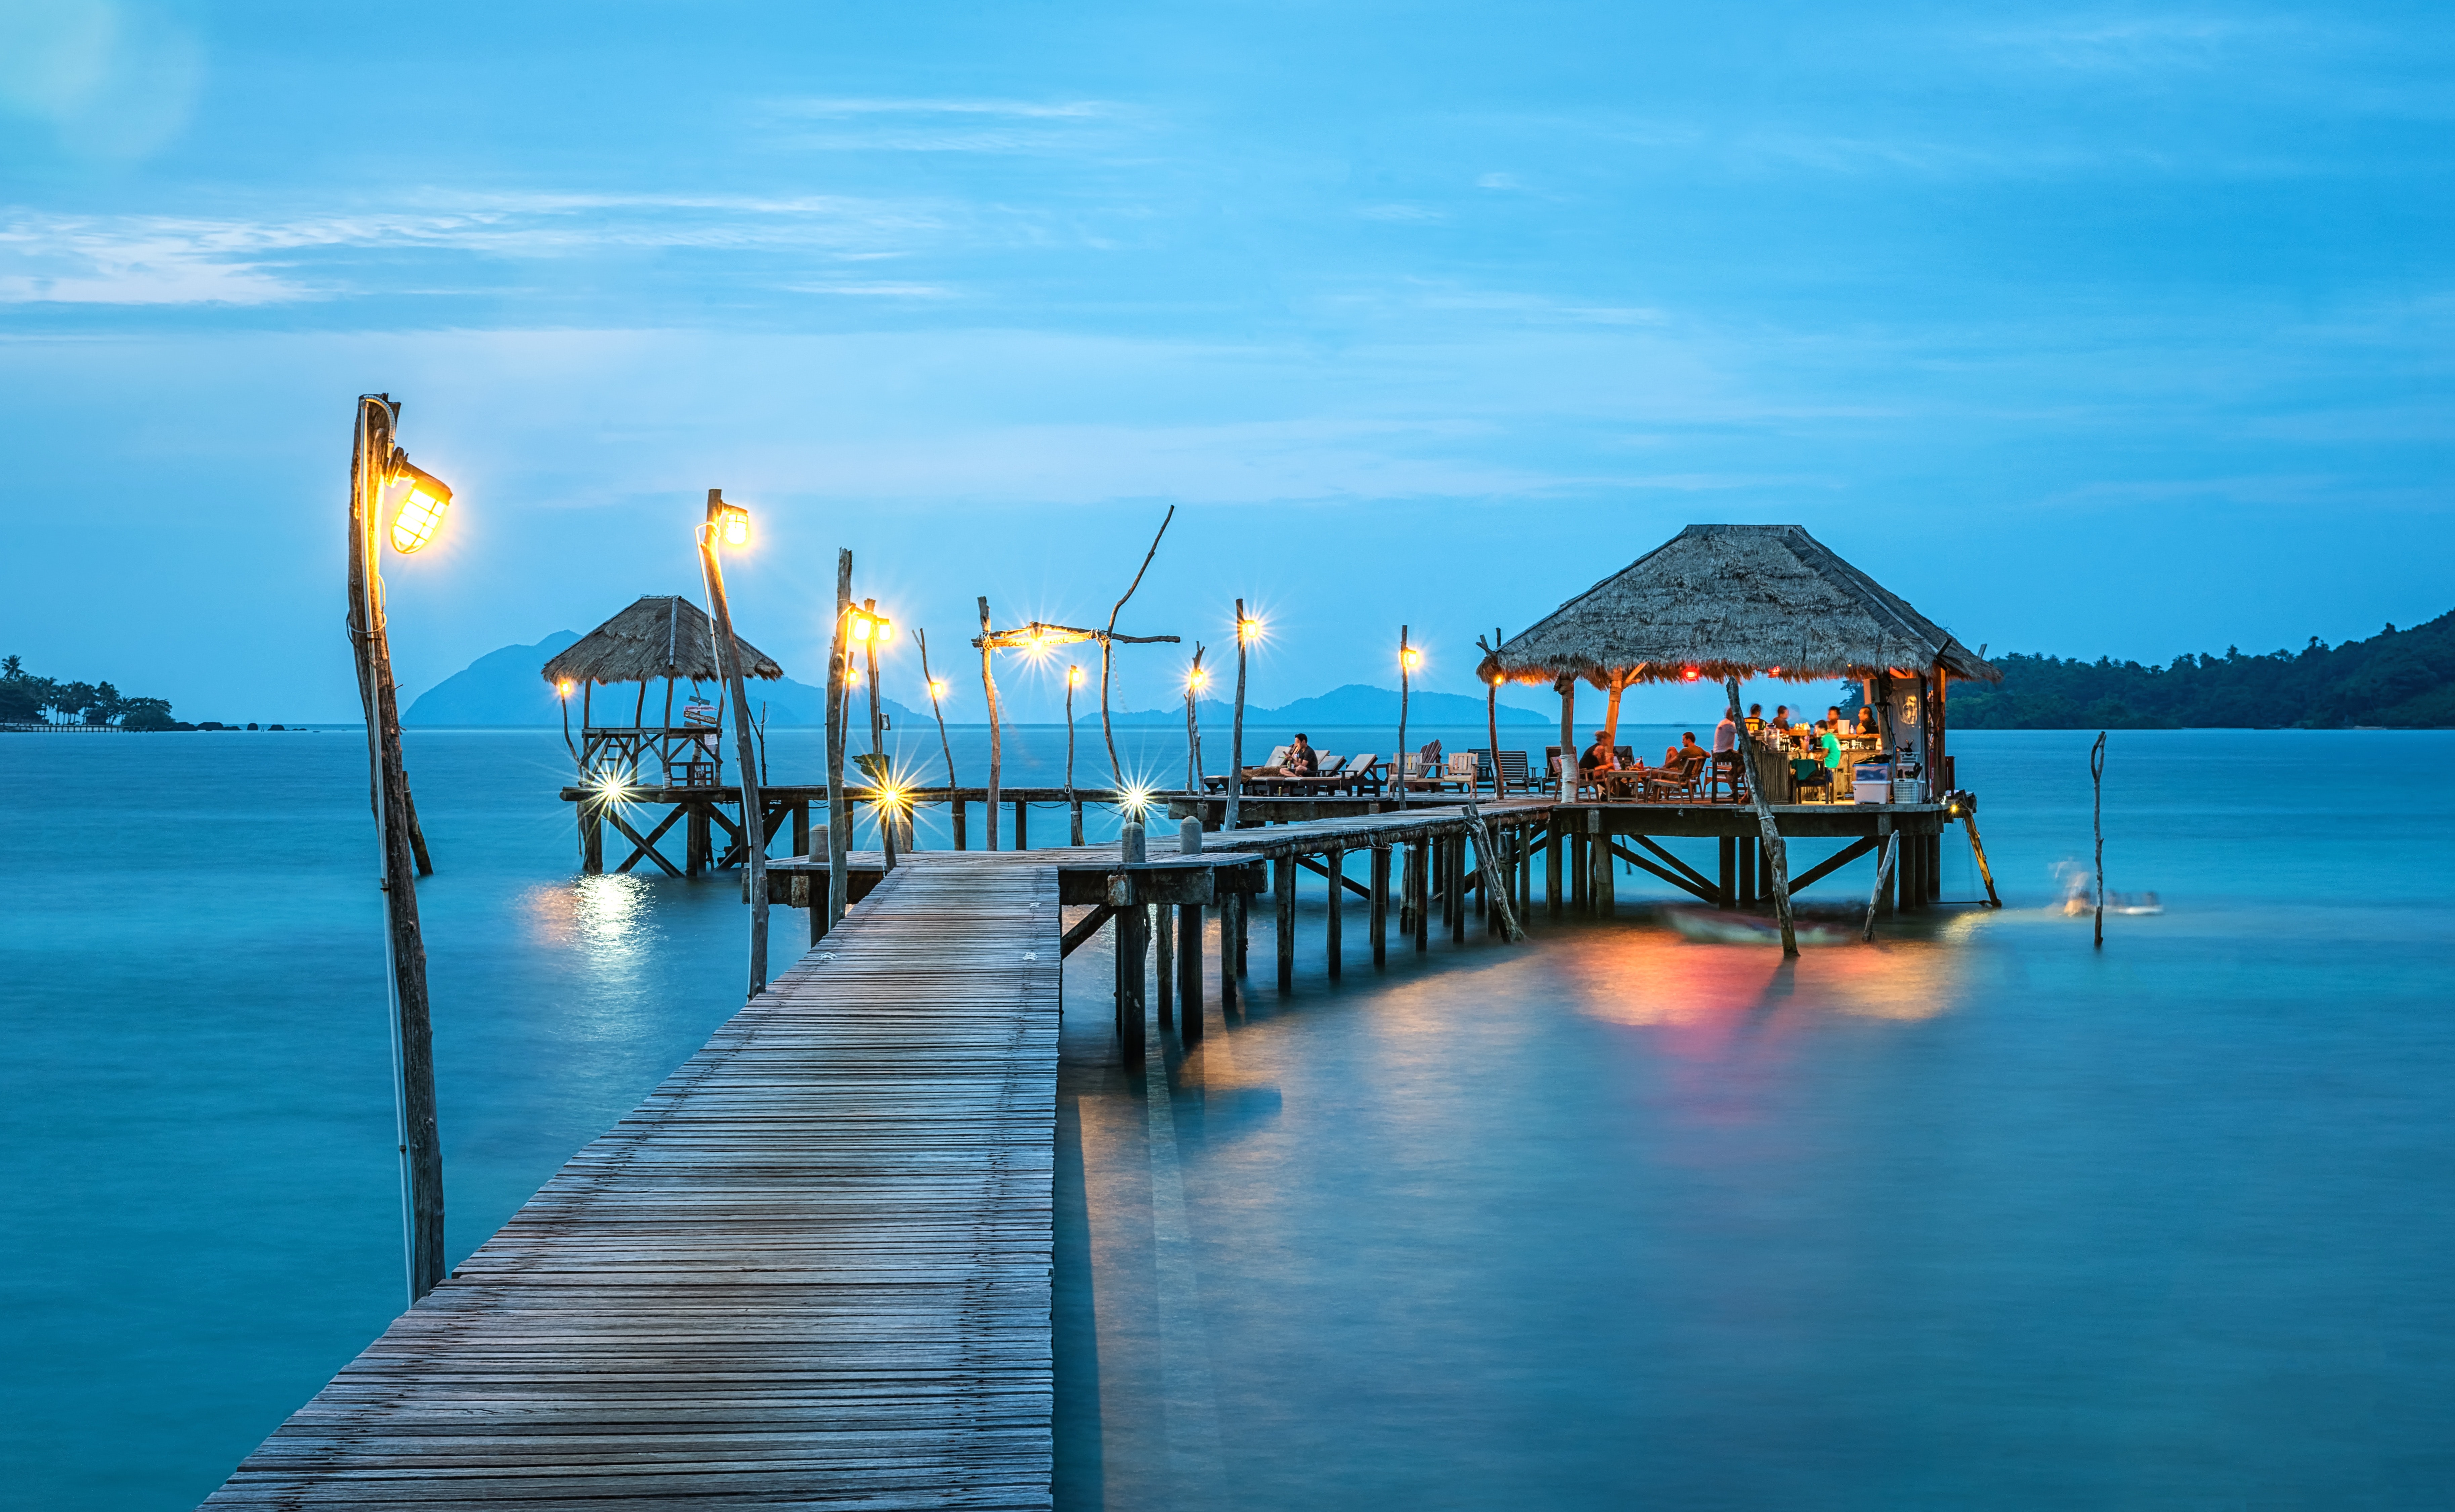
(933, 125)
(1416, 214)
(168, 260)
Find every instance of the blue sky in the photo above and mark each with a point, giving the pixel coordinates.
(2095, 330)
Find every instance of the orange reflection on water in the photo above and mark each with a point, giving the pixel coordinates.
(1654, 978)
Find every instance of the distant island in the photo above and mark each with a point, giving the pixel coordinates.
(2397, 678)
(505, 690)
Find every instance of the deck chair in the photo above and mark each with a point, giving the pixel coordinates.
(1361, 774)
(1512, 772)
(1462, 770)
(1726, 777)
(1551, 769)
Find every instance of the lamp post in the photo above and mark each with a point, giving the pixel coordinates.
(1409, 659)
(839, 824)
(937, 692)
(1195, 680)
(729, 525)
(377, 466)
(1074, 680)
(871, 630)
(1247, 631)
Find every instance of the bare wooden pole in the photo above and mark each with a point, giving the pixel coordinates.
(1883, 874)
(838, 818)
(1495, 889)
(2097, 826)
(1070, 672)
(1977, 848)
(997, 754)
(1776, 853)
(413, 1034)
(1491, 721)
(753, 809)
(920, 637)
(1116, 773)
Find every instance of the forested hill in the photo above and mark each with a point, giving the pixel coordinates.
(2398, 678)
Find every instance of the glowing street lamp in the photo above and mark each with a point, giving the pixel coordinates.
(1249, 629)
(422, 506)
(378, 466)
(729, 525)
(1196, 679)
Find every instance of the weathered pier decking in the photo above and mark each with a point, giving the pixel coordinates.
(811, 1270)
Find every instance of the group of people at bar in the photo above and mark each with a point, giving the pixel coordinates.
(1827, 742)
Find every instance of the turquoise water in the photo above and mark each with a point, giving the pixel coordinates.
(1976, 1217)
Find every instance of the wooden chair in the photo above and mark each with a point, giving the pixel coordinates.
(1361, 774)
(1461, 771)
(1726, 777)
(1682, 783)
(1512, 772)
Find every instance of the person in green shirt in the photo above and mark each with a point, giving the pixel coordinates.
(1828, 739)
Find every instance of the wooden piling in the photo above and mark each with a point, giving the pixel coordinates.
(1131, 925)
(1022, 825)
(1379, 918)
(1552, 903)
(1456, 882)
(1188, 971)
(1282, 872)
(1422, 899)
(591, 840)
(1162, 964)
(1232, 908)
(1726, 853)
(1336, 860)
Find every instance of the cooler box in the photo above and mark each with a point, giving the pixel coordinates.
(1910, 790)
(1866, 789)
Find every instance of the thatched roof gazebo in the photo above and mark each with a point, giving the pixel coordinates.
(1741, 602)
(660, 635)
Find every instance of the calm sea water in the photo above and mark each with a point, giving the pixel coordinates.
(1975, 1217)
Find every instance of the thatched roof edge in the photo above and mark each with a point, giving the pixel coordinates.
(657, 636)
(1559, 645)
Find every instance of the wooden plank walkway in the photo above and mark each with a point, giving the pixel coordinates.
(811, 1270)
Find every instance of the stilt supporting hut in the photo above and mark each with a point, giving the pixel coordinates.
(679, 761)
(1727, 603)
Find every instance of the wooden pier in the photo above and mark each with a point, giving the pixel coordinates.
(811, 1270)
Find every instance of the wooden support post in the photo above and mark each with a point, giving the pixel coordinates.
(1606, 872)
(1883, 878)
(1132, 922)
(1232, 909)
(1074, 814)
(1456, 882)
(1188, 971)
(1406, 890)
(592, 839)
(1283, 873)
(1163, 963)
(1337, 862)
(1756, 762)
(955, 811)
(1423, 898)
(1977, 848)
(1379, 922)
(695, 841)
(1726, 853)
(1022, 825)
(1553, 903)
(1243, 952)
(1747, 844)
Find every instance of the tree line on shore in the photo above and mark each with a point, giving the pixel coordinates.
(29, 700)
(2397, 678)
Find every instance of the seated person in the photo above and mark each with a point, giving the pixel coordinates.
(1726, 734)
(1756, 719)
(1828, 739)
(1866, 720)
(1598, 757)
(1782, 718)
(1301, 760)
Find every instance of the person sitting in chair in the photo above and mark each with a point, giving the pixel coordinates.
(1726, 734)
(1866, 720)
(1756, 719)
(1302, 760)
(1598, 757)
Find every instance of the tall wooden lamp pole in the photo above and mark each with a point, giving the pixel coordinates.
(729, 524)
(376, 463)
(1236, 740)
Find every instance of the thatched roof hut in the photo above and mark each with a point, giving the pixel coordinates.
(662, 636)
(1717, 602)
